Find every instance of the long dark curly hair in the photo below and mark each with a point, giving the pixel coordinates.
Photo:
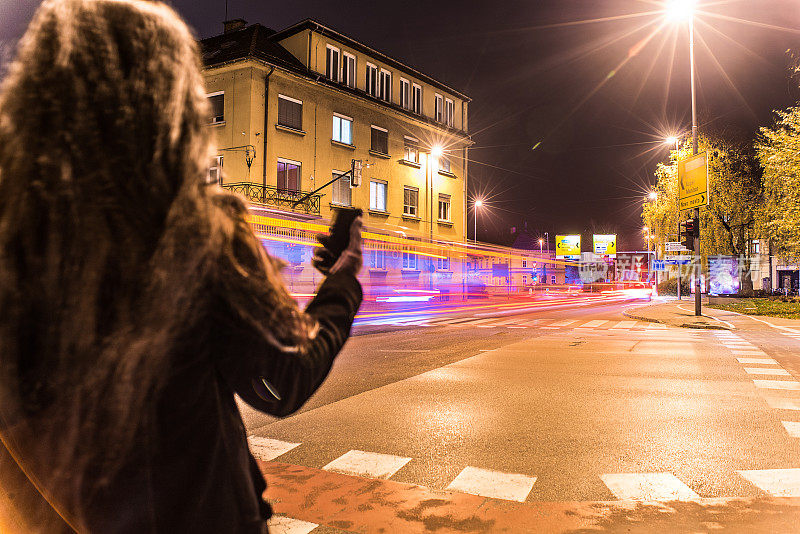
(108, 235)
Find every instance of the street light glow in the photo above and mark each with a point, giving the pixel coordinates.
(478, 203)
(437, 151)
(671, 140)
(680, 10)
(653, 195)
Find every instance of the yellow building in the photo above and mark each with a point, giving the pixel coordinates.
(293, 109)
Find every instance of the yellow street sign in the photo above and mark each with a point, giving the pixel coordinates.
(693, 181)
(568, 246)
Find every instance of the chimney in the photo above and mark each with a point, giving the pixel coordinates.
(234, 25)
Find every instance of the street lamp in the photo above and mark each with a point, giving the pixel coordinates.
(653, 195)
(477, 204)
(436, 153)
(683, 10)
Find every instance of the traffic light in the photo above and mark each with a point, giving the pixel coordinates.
(356, 167)
(690, 230)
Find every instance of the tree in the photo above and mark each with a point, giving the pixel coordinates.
(736, 195)
(778, 150)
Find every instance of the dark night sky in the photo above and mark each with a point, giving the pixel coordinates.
(533, 79)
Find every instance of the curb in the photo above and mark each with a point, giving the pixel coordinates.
(696, 326)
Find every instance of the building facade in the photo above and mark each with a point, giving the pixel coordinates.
(293, 109)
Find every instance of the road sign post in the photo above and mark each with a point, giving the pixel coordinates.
(693, 193)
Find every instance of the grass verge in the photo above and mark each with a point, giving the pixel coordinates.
(762, 306)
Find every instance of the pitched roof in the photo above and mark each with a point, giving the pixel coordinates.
(254, 41)
(311, 24)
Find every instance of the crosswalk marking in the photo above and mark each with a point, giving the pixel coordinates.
(593, 324)
(564, 323)
(494, 484)
(764, 361)
(792, 427)
(778, 384)
(266, 449)
(624, 324)
(280, 524)
(656, 326)
(367, 464)
(766, 371)
(749, 352)
(648, 487)
(776, 482)
(778, 403)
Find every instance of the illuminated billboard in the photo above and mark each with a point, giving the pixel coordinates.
(568, 247)
(605, 244)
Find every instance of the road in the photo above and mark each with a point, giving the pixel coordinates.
(479, 423)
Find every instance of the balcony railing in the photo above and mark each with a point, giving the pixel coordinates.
(273, 196)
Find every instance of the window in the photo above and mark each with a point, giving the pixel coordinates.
(409, 260)
(405, 94)
(437, 108)
(290, 112)
(377, 259)
(288, 176)
(443, 264)
(756, 247)
(386, 85)
(444, 164)
(379, 140)
(410, 200)
(553, 279)
(371, 84)
(411, 149)
(332, 55)
(349, 69)
(444, 207)
(341, 189)
(377, 195)
(449, 112)
(217, 103)
(416, 99)
(215, 171)
(524, 279)
(342, 129)
(524, 263)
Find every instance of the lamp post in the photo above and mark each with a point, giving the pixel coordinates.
(433, 161)
(477, 204)
(684, 10)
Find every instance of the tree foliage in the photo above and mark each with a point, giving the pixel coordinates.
(778, 150)
(728, 223)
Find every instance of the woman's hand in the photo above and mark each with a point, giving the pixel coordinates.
(349, 261)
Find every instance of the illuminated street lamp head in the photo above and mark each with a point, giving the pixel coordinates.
(436, 151)
(541, 241)
(671, 140)
(680, 10)
(478, 203)
(653, 195)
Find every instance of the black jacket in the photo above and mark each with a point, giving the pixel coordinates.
(205, 478)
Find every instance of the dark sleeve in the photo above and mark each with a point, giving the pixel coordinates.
(293, 376)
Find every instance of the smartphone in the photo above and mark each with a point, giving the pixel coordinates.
(338, 238)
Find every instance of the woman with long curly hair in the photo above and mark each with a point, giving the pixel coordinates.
(135, 300)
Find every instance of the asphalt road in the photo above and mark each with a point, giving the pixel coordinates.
(548, 406)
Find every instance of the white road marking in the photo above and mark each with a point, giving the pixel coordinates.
(779, 403)
(280, 524)
(266, 449)
(656, 326)
(648, 487)
(792, 427)
(563, 323)
(592, 324)
(494, 484)
(766, 371)
(738, 352)
(367, 464)
(532, 323)
(778, 384)
(624, 324)
(765, 361)
(776, 482)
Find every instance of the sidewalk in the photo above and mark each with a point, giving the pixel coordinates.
(675, 312)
